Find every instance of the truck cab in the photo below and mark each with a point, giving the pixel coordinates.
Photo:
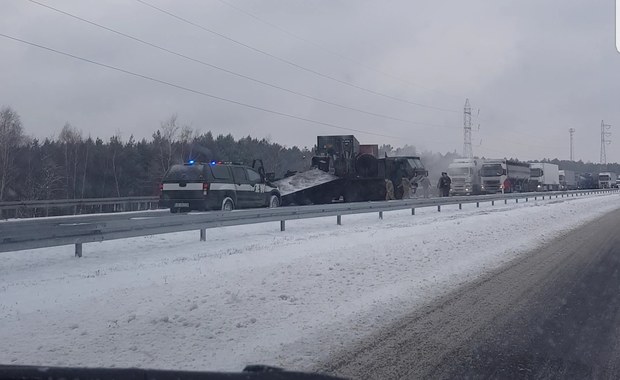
(504, 176)
(607, 180)
(465, 175)
(544, 177)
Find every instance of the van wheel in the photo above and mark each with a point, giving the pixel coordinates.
(274, 201)
(228, 205)
(174, 210)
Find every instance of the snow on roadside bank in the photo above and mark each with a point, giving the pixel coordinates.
(253, 294)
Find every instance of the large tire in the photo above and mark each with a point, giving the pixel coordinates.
(274, 201)
(228, 204)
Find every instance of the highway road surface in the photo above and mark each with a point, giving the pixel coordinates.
(552, 313)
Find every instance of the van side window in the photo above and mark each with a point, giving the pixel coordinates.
(253, 176)
(239, 174)
(220, 172)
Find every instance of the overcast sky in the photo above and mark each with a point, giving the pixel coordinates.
(532, 69)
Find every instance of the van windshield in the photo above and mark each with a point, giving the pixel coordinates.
(185, 173)
(536, 172)
(415, 162)
(459, 172)
(491, 170)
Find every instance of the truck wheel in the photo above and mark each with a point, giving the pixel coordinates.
(174, 210)
(228, 204)
(274, 201)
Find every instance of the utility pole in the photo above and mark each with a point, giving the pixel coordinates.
(467, 151)
(604, 140)
(571, 131)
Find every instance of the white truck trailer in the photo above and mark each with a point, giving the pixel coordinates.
(569, 180)
(465, 176)
(544, 177)
(504, 176)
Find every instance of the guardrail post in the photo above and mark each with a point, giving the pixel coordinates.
(413, 211)
(516, 200)
(460, 206)
(505, 201)
(492, 203)
(526, 199)
(339, 220)
(438, 208)
(78, 249)
(477, 204)
(203, 234)
(380, 214)
(282, 225)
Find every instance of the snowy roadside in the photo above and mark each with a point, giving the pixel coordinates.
(252, 294)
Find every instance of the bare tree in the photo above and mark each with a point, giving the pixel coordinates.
(169, 132)
(186, 138)
(11, 136)
(71, 138)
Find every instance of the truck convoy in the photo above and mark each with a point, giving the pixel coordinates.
(343, 169)
(504, 176)
(544, 177)
(607, 180)
(465, 175)
(569, 180)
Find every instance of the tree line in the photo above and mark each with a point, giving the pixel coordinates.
(74, 166)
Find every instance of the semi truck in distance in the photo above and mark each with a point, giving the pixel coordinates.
(544, 177)
(465, 175)
(607, 180)
(345, 170)
(569, 180)
(504, 176)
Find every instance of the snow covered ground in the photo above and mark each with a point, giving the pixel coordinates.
(253, 294)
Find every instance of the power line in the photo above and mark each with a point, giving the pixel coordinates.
(187, 89)
(291, 63)
(310, 42)
(144, 42)
(332, 52)
(152, 79)
(287, 61)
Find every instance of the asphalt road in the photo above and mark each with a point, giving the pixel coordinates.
(552, 313)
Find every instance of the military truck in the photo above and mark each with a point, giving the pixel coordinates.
(345, 170)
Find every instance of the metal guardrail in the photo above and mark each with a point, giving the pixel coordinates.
(24, 234)
(94, 204)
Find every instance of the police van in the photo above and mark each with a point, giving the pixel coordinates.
(216, 186)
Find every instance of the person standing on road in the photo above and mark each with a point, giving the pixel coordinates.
(406, 185)
(426, 184)
(389, 190)
(444, 185)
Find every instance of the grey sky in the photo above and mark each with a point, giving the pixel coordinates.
(533, 68)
